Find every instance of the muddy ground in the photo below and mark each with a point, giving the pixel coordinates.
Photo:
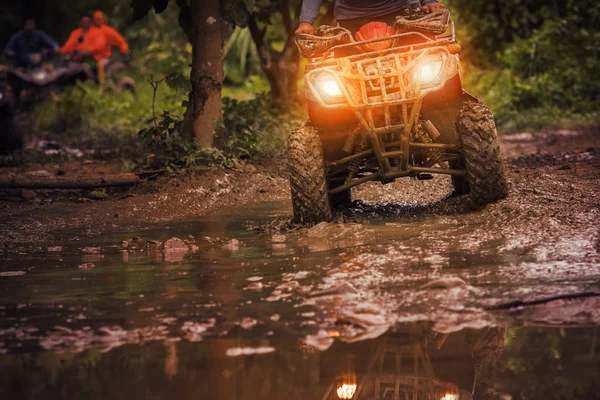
(555, 180)
(197, 280)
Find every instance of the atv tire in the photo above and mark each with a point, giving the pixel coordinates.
(481, 150)
(10, 136)
(308, 182)
(126, 84)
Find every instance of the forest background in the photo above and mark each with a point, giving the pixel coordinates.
(534, 62)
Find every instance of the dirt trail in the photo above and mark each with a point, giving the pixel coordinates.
(555, 179)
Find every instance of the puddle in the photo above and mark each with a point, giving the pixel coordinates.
(400, 306)
(411, 361)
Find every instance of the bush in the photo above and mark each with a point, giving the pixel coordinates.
(534, 62)
(166, 148)
(88, 116)
(250, 129)
(259, 126)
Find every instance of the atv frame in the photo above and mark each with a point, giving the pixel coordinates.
(383, 122)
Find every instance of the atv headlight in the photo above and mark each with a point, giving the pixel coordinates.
(329, 89)
(40, 76)
(429, 71)
(449, 396)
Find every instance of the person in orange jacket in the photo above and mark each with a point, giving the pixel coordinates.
(112, 37)
(86, 45)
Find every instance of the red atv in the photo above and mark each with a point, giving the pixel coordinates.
(387, 106)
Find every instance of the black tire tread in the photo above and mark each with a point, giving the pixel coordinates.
(481, 149)
(308, 182)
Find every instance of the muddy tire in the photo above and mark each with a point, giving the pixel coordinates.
(11, 139)
(308, 183)
(126, 84)
(481, 150)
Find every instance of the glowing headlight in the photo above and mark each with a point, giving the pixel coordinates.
(430, 71)
(329, 89)
(451, 397)
(40, 76)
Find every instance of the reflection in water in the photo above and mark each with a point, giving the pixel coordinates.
(414, 362)
(411, 362)
(346, 390)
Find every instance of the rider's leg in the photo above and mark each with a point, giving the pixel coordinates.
(101, 65)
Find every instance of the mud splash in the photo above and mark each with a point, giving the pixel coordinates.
(219, 276)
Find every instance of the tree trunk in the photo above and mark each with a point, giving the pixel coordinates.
(283, 74)
(208, 42)
(271, 70)
(289, 60)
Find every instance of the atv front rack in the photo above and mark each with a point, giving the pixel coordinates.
(384, 91)
(326, 40)
(385, 96)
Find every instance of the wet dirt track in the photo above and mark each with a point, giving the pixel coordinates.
(238, 306)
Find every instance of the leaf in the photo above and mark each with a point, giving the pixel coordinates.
(177, 81)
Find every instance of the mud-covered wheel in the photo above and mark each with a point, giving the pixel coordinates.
(126, 84)
(308, 183)
(10, 138)
(486, 176)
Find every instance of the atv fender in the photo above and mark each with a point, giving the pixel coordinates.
(443, 107)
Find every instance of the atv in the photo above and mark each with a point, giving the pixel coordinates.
(40, 79)
(386, 106)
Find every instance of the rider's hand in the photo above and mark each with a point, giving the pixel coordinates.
(305, 28)
(429, 8)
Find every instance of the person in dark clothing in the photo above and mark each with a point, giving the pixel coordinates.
(352, 14)
(23, 44)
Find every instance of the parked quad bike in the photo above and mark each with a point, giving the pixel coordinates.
(10, 138)
(40, 79)
(389, 106)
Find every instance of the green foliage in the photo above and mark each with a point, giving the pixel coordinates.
(534, 62)
(241, 59)
(160, 46)
(87, 116)
(259, 126)
(168, 149)
(250, 129)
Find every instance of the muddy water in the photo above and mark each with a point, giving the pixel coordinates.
(399, 301)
